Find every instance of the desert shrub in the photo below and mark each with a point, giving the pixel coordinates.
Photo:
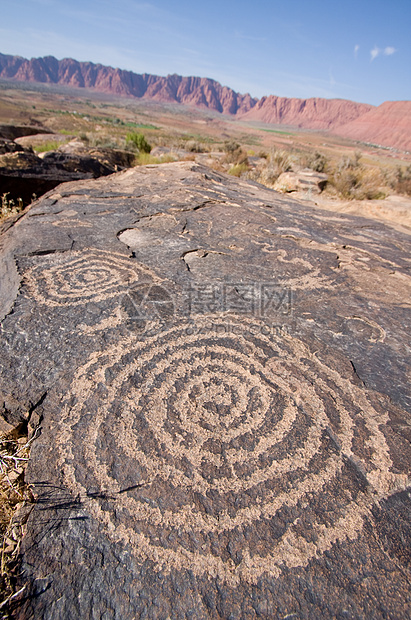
(138, 142)
(103, 141)
(278, 161)
(353, 181)
(402, 183)
(234, 154)
(370, 184)
(315, 161)
(192, 146)
(230, 146)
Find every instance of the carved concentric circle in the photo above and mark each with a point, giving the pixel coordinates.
(231, 453)
(74, 278)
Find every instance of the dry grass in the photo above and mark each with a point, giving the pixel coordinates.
(348, 177)
(277, 162)
(16, 501)
(400, 180)
(354, 181)
(9, 206)
(145, 159)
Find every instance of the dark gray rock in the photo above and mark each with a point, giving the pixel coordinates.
(221, 378)
(10, 132)
(8, 146)
(117, 159)
(23, 173)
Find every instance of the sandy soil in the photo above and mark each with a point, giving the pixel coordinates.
(393, 210)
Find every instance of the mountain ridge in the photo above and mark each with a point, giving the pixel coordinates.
(387, 125)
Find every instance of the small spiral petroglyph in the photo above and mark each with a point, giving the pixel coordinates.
(227, 454)
(74, 278)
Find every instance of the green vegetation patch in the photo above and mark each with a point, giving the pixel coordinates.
(283, 133)
(51, 145)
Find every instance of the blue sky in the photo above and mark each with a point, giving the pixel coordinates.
(351, 49)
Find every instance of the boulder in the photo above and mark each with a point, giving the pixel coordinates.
(303, 181)
(219, 379)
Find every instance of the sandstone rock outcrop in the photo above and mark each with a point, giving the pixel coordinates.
(304, 180)
(220, 376)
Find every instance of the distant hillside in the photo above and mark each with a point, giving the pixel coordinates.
(312, 113)
(200, 92)
(388, 125)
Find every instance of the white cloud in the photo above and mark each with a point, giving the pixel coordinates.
(356, 49)
(389, 51)
(375, 52)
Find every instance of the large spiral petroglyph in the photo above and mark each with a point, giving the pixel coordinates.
(229, 452)
(80, 277)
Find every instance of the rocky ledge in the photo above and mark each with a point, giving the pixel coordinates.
(218, 380)
(24, 173)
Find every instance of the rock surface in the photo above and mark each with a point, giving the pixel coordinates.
(221, 379)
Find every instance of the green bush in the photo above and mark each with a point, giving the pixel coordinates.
(138, 141)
